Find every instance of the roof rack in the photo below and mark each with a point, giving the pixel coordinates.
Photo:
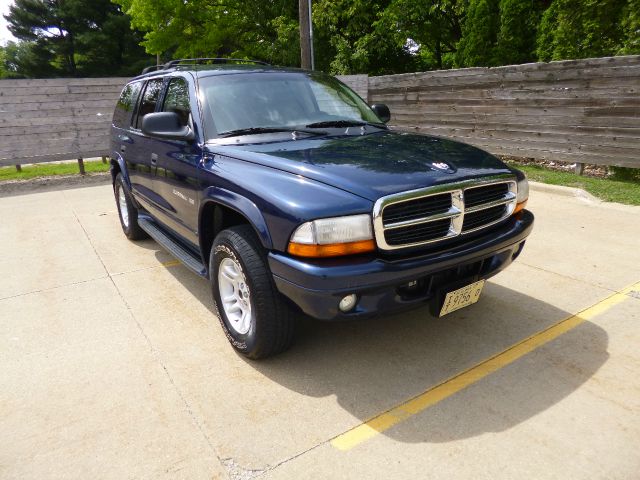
(198, 61)
(151, 68)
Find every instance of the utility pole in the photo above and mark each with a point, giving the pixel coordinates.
(306, 34)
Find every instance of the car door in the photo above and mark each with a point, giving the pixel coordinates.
(137, 149)
(176, 179)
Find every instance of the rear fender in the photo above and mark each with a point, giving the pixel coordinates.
(118, 161)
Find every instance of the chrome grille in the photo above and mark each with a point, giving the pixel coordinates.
(421, 232)
(420, 217)
(417, 209)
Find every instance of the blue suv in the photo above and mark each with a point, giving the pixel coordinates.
(290, 194)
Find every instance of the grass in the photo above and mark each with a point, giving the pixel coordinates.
(48, 169)
(607, 189)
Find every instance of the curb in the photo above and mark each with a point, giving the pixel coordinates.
(564, 191)
(44, 184)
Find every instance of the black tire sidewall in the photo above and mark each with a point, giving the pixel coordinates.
(130, 230)
(225, 247)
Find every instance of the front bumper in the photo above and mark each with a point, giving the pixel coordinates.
(382, 285)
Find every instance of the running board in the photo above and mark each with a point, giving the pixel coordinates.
(174, 248)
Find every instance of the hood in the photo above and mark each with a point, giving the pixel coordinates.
(373, 165)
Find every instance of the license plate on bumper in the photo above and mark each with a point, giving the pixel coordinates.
(462, 297)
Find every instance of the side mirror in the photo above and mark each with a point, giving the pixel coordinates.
(382, 111)
(166, 125)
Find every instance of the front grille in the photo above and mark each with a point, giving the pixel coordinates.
(431, 215)
(417, 233)
(489, 193)
(477, 219)
(421, 207)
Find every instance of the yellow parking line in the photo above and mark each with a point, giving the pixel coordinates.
(171, 263)
(397, 414)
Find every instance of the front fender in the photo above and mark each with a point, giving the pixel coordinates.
(243, 206)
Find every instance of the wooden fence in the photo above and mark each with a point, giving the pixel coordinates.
(56, 119)
(581, 111)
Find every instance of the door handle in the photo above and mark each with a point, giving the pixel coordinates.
(154, 158)
(123, 148)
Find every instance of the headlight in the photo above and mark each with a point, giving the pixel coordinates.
(523, 194)
(332, 237)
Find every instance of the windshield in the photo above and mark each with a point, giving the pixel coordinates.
(279, 101)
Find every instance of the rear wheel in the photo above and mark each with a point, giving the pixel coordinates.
(127, 210)
(253, 315)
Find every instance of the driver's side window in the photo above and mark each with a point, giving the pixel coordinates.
(177, 100)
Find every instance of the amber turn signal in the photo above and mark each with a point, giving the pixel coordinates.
(519, 207)
(331, 249)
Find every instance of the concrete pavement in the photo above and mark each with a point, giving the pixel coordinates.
(112, 364)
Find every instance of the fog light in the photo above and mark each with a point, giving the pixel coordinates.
(348, 302)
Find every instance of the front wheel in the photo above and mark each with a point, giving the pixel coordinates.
(127, 211)
(254, 317)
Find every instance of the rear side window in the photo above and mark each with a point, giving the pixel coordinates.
(149, 100)
(125, 105)
(177, 100)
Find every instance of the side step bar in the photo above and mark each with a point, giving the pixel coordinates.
(174, 248)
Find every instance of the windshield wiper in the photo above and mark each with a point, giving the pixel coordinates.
(343, 123)
(258, 130)
(336, 123)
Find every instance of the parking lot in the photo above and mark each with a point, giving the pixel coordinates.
(113, 365)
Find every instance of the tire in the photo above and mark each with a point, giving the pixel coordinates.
(268, 328)
(127, 212)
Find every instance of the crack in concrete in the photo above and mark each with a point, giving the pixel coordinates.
(154, 351)
(71, 284)
(613, 290)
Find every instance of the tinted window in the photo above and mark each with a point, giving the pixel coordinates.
(126, 102)
(149, 99)
(177, 100)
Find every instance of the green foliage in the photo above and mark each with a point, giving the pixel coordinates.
(435, 26)
(546, 37)
(215, 28)
(607, 189)
(625, 174)
(516, 42)
(26, 60)
(479, 34)
(631, 29)
(50, 169)
(356, 39)
(588, 28)
(95, 37)
(72, 38)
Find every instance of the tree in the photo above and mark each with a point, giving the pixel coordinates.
(265, 30)
(589, 28)
(73, 38)
(479, 34)
(434, 25)
(350, 34)
(516, 41)
(631, 28)
(26, 60)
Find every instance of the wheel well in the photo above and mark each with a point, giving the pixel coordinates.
(115, 170)
(213, 219)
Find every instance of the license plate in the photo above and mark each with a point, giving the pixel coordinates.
(462, 297)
